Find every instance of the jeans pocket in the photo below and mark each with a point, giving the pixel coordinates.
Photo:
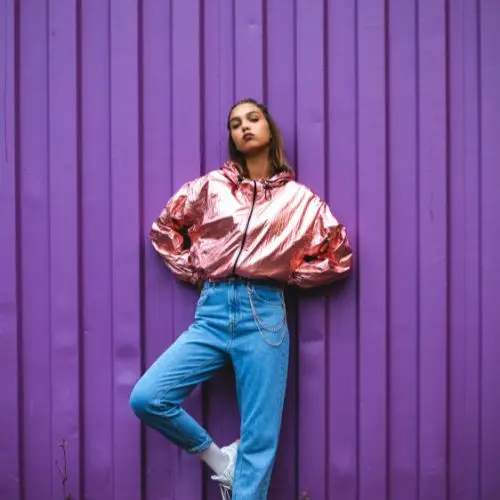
(206, 292)
(266, 295)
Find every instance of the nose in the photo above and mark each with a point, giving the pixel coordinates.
(245, 127)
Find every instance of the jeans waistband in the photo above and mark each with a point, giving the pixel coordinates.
(250, 281)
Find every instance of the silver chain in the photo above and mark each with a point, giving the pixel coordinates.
(261, 325)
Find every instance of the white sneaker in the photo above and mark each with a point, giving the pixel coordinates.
(225, 479)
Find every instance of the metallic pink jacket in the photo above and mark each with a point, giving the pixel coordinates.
(221, 224)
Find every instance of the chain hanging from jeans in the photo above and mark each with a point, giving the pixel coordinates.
(261, 325)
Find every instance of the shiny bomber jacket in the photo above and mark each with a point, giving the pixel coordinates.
(223, 224)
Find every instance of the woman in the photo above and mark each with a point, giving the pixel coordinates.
(242, 232)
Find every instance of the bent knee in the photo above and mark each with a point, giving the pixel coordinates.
(141, 400)
(146, 402)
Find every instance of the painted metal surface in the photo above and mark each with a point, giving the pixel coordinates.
(390, 110)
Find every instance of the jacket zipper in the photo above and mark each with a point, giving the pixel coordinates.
(246, 228)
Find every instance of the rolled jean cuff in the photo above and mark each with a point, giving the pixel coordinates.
(201, 447)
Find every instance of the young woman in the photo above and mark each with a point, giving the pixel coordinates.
(242, 233)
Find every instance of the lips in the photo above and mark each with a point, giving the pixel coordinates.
(248, 136)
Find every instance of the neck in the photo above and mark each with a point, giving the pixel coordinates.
(258, 166)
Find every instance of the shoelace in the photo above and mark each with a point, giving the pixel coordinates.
(225, 492)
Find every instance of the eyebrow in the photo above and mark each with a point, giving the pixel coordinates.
(234, 118)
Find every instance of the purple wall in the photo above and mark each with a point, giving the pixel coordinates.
(390, 110)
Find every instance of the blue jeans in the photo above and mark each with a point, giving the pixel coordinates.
(243, 323)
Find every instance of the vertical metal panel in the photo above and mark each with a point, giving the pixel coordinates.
(403, 252)
(39, 444)
(389, 110)
(10, 301)
(311, 334)
(489, 154)
(433, 247)
(125, 270)
(465, 226)
(64, 238)
(96, 426)
(372, 249)
(343, 307)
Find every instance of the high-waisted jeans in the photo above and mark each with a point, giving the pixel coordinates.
(243, 323)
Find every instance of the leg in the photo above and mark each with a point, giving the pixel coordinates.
(193, 358)
(260, 359)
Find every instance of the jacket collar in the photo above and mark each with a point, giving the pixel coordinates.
(233, 172)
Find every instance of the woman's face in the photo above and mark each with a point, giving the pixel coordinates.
(249, 129)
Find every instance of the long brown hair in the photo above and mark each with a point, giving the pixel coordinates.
(277, 155)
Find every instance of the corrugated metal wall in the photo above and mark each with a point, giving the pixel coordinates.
(390, 110)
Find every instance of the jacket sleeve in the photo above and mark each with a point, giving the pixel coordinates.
(328, 257)
(168, 233)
